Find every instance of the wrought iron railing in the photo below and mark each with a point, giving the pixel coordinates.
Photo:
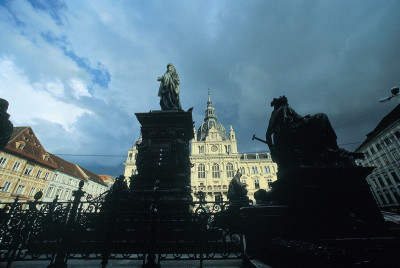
(100, 228)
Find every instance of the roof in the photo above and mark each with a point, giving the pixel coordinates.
(67, 167)
(106, 178)
(93, 177)
(210, 121)
(389, 119)
(251, 156)
(32, 150)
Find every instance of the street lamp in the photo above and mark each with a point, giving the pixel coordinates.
(395, 93)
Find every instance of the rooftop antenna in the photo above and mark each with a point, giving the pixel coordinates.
(395, 93)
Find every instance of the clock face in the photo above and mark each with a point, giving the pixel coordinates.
(214, 148)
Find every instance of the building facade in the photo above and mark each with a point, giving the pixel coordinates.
(215, 159)
(382, 150)
(25, 166)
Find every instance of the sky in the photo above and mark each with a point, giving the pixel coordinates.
(77, 71)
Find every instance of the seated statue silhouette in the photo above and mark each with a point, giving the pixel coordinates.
(302, 140)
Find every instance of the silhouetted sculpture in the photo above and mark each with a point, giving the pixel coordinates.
(302, 141)
(237, 190)
(169, 89)
(6, 127)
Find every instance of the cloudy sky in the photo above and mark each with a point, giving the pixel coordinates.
(77, 71)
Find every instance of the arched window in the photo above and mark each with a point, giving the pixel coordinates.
(267, 170)
(215, 170)
(130, 156)
(201, 174)
(201, 149)
(229, 170)
(254, 170)
(242, 170)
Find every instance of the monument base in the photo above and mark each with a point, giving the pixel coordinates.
(318, 202)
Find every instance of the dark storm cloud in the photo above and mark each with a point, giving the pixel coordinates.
(336, 57)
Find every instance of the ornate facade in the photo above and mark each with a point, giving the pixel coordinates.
(215, 158)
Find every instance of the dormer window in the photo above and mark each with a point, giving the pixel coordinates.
(46, 157)
(257, 156)
(20, 145)
(245, 156)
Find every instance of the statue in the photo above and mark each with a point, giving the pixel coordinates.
(169, 89)
(237, 190)
(6, 127)
(298, 140)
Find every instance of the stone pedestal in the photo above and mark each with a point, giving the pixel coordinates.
(319, 202)
(163, 155)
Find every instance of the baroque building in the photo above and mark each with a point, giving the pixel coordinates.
(215, 158)
(382, 150)
(27, 168)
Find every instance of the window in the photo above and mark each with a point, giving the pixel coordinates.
(20, 145)
(130, 156)
(385, 159)
(50, 192)
(20, 189)
(59, 193)
(201, 174)
(215, 170)
(6, 186)
(229, 170)
(257, 156)
(395, 177)
(268, 155)
(242, 170)
(218, 198)
(70, 181)
(267, 170)
(3, 161)
(67, 195)
(46, 176)
(201, 149)
(254, 170)
(245, 156)
(388, 141)
(378, 163)
(397, 134)
(372, 150)
(256, 184)
(28, 170)
(32, 191)
(381, 181)
(55, 178)
(38, 174)
(16, 166)
(395, 155)
(378, 146)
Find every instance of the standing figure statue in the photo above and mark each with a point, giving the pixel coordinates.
(6, 127)
(169, 89)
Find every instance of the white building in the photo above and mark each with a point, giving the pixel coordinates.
(382, 150)
(215, 159)
(66, 179)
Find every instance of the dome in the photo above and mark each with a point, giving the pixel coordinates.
(210, 121)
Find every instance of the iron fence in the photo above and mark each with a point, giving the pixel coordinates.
(100, 228)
